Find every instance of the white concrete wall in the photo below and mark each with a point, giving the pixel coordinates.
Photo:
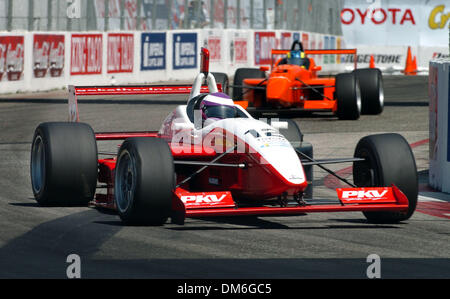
(224, 41)
(439, 90)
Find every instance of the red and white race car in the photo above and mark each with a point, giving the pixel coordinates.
(211, 158)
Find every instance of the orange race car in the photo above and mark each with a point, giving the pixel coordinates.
(294, 84)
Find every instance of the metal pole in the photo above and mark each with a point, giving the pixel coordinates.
(154, 11)
(122, 14)
(10, 10)
(252, 14)
(265, 14)
(49, 15)
(30, 15)
(69, 20)
(139, 15)
(211, 13)
(225, 15)
(186, 21)
(169, 15)
(106, 20)
(198, 14)
(276, 15)
(238, 14)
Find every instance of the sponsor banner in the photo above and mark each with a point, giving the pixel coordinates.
(86, 54)
(206, 200)
(185, 51)
(330, 43)
(286, 40)
(153, 51)
(264, 43)
(305, 41)
(213, 41)
(11, 58)
(366, 195)
(385, 57)
(395, 22)
(239, 47)
(120, 53)
(48, 55)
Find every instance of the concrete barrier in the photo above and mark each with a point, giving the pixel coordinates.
(39, 61)
(439, 90)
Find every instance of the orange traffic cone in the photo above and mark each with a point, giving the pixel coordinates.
(372, 62)
(415, 66)
(411, 66)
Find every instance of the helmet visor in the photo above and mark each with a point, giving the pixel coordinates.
(220, 112)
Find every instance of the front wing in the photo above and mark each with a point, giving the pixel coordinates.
(194, 205)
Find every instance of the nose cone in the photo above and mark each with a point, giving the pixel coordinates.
(278, 89)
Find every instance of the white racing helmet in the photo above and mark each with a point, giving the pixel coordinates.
(217, 106)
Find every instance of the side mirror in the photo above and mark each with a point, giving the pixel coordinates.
(317, 69)
(264, 68)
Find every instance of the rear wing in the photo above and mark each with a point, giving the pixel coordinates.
(80, 91)
(192, 90)
(353, 52)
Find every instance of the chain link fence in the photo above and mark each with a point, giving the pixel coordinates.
(114, 15)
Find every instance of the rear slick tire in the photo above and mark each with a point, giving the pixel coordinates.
(64, 164)
(372, 90)
(348, 95)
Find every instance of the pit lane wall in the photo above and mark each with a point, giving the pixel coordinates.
(39, 61)
(439, 91)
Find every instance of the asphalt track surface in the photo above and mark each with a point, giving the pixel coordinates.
(35, 241)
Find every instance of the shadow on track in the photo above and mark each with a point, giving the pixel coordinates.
(42, 252)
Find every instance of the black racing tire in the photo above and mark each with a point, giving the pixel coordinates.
(307, 149)
(222, 78)
(144, 181)
(389, 160)
(295, 136)
(348, 95)
(64, 164)
(372, 90)
(239, 76)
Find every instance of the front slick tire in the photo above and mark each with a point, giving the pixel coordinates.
(144, 181)
(389, 160)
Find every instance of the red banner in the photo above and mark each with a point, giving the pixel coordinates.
(286, 40)
(86, 54)
(120, 53)
(215, 48)
(11, 57)
(48, 55)
(240, 49)
(305, 41)
(264, 43)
